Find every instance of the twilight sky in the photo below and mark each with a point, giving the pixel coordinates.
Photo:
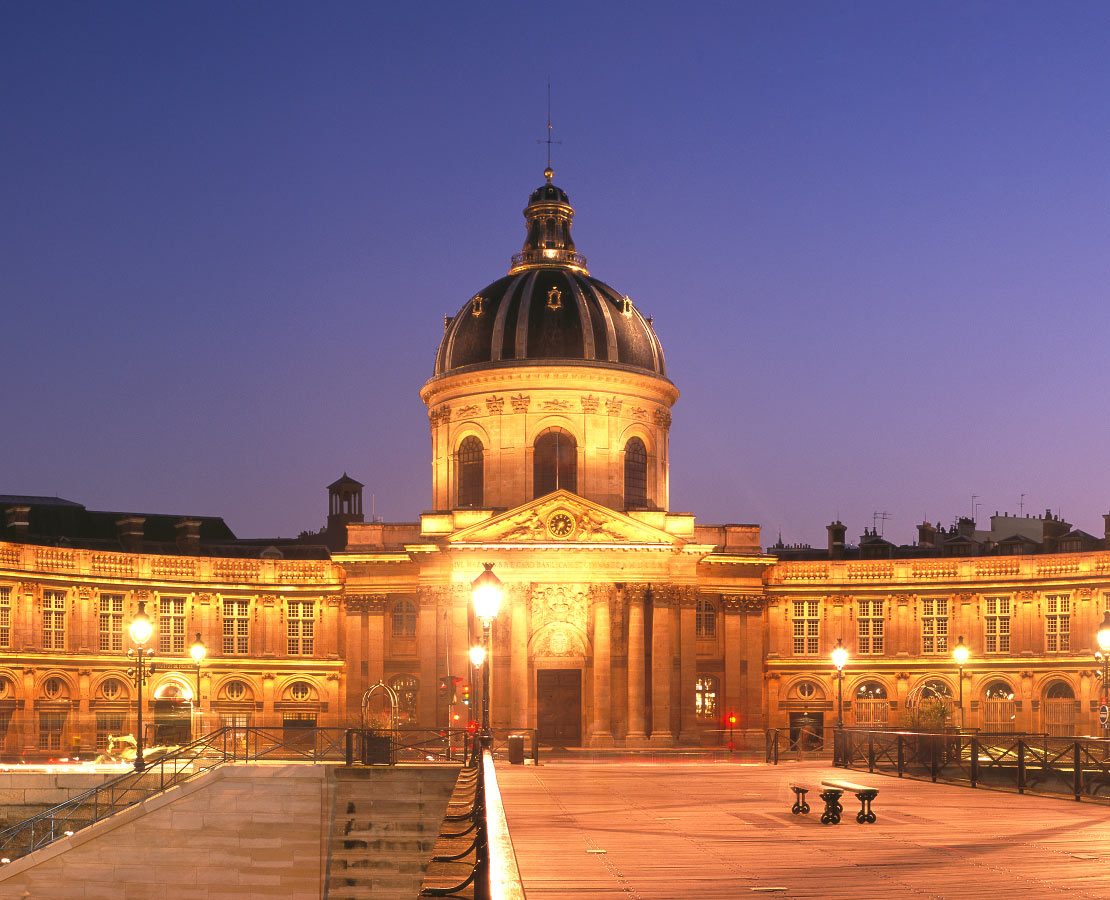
(873, 237)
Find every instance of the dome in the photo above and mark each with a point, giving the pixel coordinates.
(548, 308)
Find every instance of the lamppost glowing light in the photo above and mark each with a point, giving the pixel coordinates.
(486, 591)
(840, 659)
(198, 652)
(140, 629)
(960, 655)
(1103, 638)
(477, 656)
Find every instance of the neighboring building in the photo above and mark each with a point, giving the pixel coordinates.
(624, 623)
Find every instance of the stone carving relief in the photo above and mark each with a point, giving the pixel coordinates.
(365, 603)
(494, 405)
(559, 603)
(662, 417)
(638, 412)
(520, 403)
(464, 412)
(590, 404)
(561, 405)
(613, 406)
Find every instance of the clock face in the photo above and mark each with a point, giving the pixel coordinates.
(560, 524)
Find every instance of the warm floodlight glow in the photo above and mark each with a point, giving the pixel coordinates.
(960, 653)
(839, 654)
(477, 656)
(198, 651)
(487, 594)
(141, 627)
(1104, 633)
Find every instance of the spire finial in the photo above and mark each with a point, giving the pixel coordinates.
(548, 173)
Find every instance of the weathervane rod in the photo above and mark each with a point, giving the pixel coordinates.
(549, 141)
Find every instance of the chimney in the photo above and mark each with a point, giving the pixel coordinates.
(188, 536)
(1106, 530)
(130, 530)
(836, 531)
(926, 535)
(19, 524)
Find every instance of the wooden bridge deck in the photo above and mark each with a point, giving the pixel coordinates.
(642, 831)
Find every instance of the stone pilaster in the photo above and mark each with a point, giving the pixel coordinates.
(601, 734)
(731, 608)
(518, 674)
(662, 664)
(688, 666)
(636, 733)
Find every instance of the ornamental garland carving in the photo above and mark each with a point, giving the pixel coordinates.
(637, 412)
(753, 603)
(732, 603)
(494, 405)
(85, 592)
(520, 403)
(613, 406)
(465, 412)
(365, 603)
(527, 524)
(662, 417)
(590, 404)
(556, 405)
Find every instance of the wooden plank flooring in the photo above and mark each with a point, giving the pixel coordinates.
(678, 830)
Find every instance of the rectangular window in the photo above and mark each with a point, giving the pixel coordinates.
(998, 624)
(111, 622)
(934, 625)
(108, 724)
(1057, 623)
(705, 620)
(870, 621)
(5, 617)
(53, 620)
(51, 725)
(171, 625)
(807, 627)
(237, 626)
(300, 628)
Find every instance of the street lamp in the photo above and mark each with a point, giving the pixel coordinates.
(839, 658)
(486, 590)
(960, 655)
(1104, 643)
(198, 652)
(141, 629)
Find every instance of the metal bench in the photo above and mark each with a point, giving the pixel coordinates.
(863, 793)
(800, 789)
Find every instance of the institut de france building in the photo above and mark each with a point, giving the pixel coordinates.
(623, 624)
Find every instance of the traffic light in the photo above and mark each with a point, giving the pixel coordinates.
(466, 693)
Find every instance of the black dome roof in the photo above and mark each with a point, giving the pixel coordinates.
(548, 314)
(548, 308)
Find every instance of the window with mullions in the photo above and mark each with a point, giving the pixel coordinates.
(635, 473)
(403, 617)
(5, 617)
(53, 620)
(869, 637)
(237, 626)
(934, 625)
(471, 474)
(407, 689)
(111, 622)
(705, 619)
(51, 725)
(108, 724)
(1057, 623)
(171, 625)
(554, 463)
(807, 627)
(707, 688)
(300, 628)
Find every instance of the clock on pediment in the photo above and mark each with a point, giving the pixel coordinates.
(561, 524)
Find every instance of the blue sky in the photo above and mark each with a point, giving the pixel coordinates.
(873, 238)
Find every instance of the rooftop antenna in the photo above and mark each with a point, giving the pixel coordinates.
(974, 505)
(1021, 504)
(881, 518)
(549, 172)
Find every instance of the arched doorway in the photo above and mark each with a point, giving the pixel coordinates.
(999, 708)
(870, 705)
(172, 714)
(1059, 709)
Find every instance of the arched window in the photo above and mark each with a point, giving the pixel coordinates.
(1059, 690)
(635, 473)
(407, 689)
(935, 690)
(998, 690)
(404, 619)
(706, 690)
(705, 619)
(871, 690)
(471, 472)
(554, 463)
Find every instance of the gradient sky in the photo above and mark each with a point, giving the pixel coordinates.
(873, 237)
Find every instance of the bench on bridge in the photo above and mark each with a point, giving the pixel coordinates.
(863, 793)
(831, 796)
(800, 789)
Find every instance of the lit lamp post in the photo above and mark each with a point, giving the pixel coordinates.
(477, 658)
(1104, 643)
(486, 590)
(141, 629)
(198, 652)
(839, 659)
(960, 655)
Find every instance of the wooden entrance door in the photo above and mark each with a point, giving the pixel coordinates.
(559, 707)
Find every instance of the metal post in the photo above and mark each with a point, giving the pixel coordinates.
(487, 731)
(839, 698)
(140, 763)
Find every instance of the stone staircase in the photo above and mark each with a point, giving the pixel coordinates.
(384, 827)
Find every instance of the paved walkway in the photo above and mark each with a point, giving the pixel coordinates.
(643, 831)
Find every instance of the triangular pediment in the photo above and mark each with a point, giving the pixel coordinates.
(562, 518)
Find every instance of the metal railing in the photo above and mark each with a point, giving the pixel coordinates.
(225, 745)
(1023, 762)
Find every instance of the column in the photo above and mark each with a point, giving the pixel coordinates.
(688, 732)
(731, 689)
(601, 734)
(518, 597)
(751, 714)
(636, 733)
(662, 664)
(426, 648)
